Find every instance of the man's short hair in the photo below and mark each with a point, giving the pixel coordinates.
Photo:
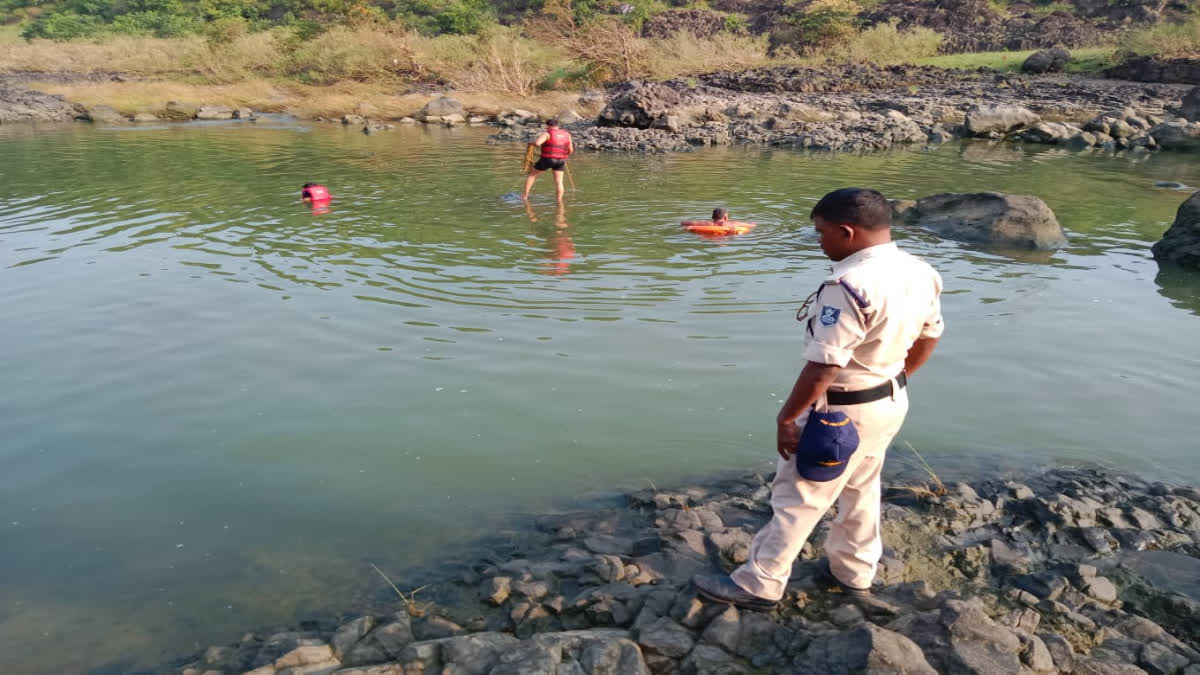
(861, 207)
(308, 185)
(552, 122)
(720, 213)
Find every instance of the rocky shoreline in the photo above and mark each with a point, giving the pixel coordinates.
(1067, 571)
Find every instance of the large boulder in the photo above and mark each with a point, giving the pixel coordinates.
(985, 119)
(866, 649)
(1053, 60)
(1156, 69)
(214, 112)
(1181, 243)
(1004, 220)
(640, 105)
(961, 638)
(441, 107)
(1190, 109)
(180, 111)
(1177, 135)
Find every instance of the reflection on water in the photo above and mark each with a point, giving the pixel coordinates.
(224, 407)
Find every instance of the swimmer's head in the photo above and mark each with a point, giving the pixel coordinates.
(720, 215)
(552, 122)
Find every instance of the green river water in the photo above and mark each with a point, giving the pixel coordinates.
(219, 408)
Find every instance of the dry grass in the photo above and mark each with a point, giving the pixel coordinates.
(885, 44)
(684, 54)
(1169, 40)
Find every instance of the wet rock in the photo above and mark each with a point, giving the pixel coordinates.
(104, 114)
(214, 112)
(1013, 221)
(962, 638)
(434, 628)
(496, 590)
(865, 649)
(385, 643)
(180, 111)
(667, 638)
(1177, 135)
(1080, 141)
(982, 119)
(349, 634)
(1181, 243)
(354, 120)
(609, 545)
(441, 108)
(1052, 60)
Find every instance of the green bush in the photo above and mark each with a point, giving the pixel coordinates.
(62, 26)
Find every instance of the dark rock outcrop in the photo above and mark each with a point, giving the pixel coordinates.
(18, 104)
(1052, 60)
(1155, 69)
(1181, 243)
(1189, 109)
(700, 23)
(991, 218)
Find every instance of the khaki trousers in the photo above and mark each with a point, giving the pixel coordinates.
(854, 545)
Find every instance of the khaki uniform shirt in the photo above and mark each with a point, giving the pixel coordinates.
(867, 315)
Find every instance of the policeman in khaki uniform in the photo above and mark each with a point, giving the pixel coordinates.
(869, 327)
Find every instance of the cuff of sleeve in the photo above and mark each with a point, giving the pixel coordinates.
(819, 352)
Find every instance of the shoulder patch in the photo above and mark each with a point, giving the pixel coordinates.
(829, 315)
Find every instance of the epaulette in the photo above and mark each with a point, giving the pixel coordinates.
(859, 300)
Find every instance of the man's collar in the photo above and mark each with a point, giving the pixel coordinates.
(842, 266)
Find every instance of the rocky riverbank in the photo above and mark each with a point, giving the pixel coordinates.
(866, 108)
(1069, 571)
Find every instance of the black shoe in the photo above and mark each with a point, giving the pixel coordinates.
(824, 577)
(720, 588)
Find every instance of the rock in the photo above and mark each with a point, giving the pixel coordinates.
(1157, 659)
(304, 656)
(1177, 135)
(104, 114)
(710, 660)
(864, 649)
(1181, 243)
(180, 111)
(1012, 221)
(364, 109)
(1060, 650)
(640, 106)
(982, 119)
(732, 545)
(435, 627)
(407, 120)
(18, 104)
(846, 615)
(245, 114)
(496, 590)
(478, 119)
(349, 634)
(385, 643)
(604, 544)
(474, 654)
(1189, 109)
(214, 112)
(145, 117)
(1101, 589)
(724, 629)
(453, 119)
(441, 107)
(1049, 132)
(1052, 60)
(961, 637)
(594, 651)
(354, 120)
(1157, 69)
(757, 641)
(667, 638)
(567, 116)
(591, 97)
(1080, 141)
(1090, 666)
(1035, 654)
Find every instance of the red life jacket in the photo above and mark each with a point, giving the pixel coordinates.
(556, 147)
(317, 193)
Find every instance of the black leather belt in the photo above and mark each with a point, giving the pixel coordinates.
(865, 395)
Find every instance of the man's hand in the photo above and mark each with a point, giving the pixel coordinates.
(786, 438)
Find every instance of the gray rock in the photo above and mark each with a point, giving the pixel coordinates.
(529, 658)
(1080, 141)
(385, 643)
(595, 652)
(567, 116)
(214, 112)
(608, 545)
(982, 119)
(667, 638)
(1090, 666)
(354, 120)
(846, 615)
(1060, 650)
(962, 638)
(1011, 221)
(1177, 135)
(710, 660)
(474, 654)
(1101, 589)
(1158, 659)
(757, 640)
(640, 106)
(1190, 108)
(1049, 132)
(732, 545)
(1035, 654)
(1181, 243)
(441, 107)
(1118, 650)
(305, 656)
(145, 117)
(1047, 61)
(105, 114)
(434, 628)
(18, 104)
(866, 649)
(724, 630)
(180, 111)
(349, 634)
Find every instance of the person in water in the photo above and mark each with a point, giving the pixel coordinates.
(720, 218)
(868, 328)
(315, 193)
(556, 146)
